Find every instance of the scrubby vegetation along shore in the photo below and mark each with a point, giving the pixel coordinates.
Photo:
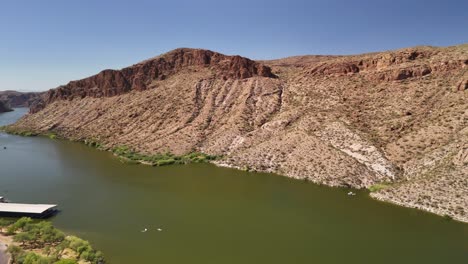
(128, 155)
(377, 187)
(24, 133)
(93, 143)
(28, 133)
(38, 242)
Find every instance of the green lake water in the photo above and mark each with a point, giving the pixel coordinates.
(214, 215)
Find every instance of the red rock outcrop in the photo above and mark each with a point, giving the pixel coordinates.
(140, 76)
(449, 65)
(405, 73)
(381, 61)
(389, 66)
(334, 68)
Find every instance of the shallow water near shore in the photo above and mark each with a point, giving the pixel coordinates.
(215, 215)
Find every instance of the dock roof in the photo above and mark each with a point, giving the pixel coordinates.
(25, 208)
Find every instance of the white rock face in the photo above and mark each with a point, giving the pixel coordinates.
(344, 139)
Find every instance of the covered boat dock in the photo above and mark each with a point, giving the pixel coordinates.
(29, 210)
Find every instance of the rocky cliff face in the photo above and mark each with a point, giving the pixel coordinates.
(142, 76)
(397, 117)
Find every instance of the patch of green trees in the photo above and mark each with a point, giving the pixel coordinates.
(128, 154)
(33, 235)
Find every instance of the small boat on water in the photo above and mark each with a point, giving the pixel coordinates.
(29, 210)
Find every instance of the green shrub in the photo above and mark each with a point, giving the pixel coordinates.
(378, 187)
(20, 223)
(21, 133)
(92, 143)
(66, 261)
(15, 252)
(4, 223)
(121, 150)
(84, 250)
(42, 235)
(161, 159)
(165, 162)
(33, 258)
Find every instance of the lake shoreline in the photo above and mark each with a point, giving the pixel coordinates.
(224, 163)
(377, 197)
(373, 195)
(203, 204)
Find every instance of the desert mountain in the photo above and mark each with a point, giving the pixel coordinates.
(396, 117)
(4, 107)
(19, 99)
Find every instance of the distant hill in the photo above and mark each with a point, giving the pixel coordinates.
(4, 107)
(19, 99)
(394, 122)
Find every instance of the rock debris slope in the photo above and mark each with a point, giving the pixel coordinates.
(396, 117)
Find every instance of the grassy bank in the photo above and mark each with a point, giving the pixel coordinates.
(38, 242)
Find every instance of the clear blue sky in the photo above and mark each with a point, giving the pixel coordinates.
(50, 42)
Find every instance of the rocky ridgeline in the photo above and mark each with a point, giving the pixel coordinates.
(392, 66)
(141, 76)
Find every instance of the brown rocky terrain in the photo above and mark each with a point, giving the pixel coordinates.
(19, 99)
(396, 117)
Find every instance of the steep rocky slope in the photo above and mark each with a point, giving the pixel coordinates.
(397, 117)
(144, 75)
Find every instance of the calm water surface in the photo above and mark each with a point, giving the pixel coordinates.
(215, 215)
